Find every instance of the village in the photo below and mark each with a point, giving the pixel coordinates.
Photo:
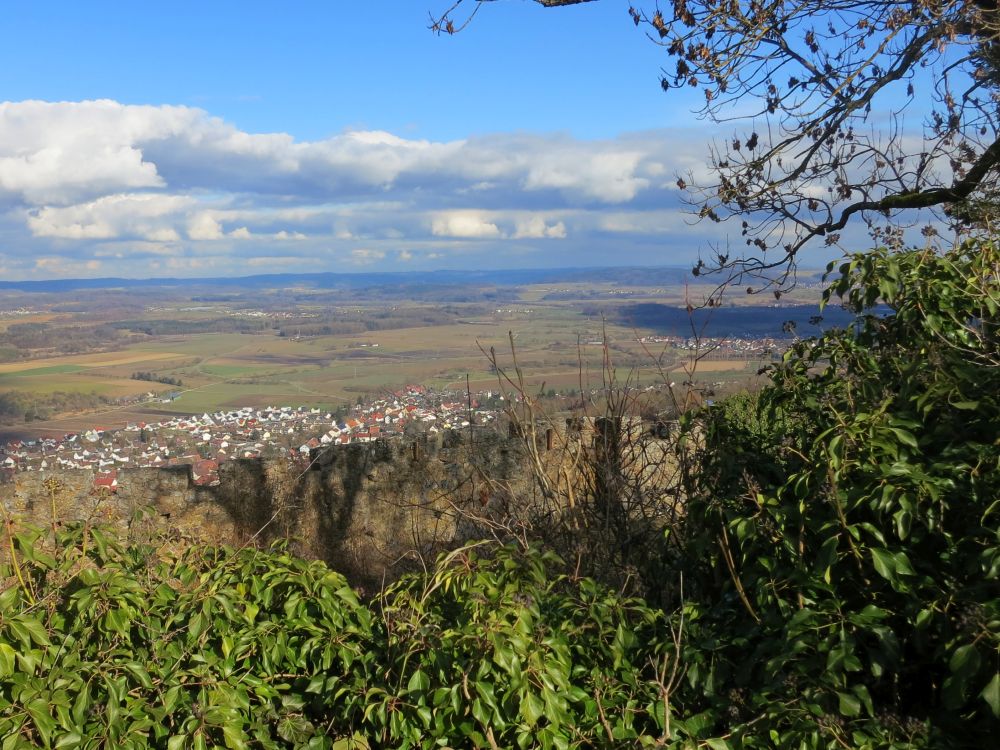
(735, 347)
(206, 441)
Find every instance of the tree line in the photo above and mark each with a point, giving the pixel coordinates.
(156, 378)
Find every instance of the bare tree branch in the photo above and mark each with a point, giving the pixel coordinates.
(865, 109)
(445, 23)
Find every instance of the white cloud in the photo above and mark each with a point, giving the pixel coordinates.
(536, 228)
(57, 153)
(203, 226)
(463, 224)
(83, 180)
(60, 266)
(608, 177)
(146, 216)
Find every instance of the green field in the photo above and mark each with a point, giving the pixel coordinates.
(557, 345)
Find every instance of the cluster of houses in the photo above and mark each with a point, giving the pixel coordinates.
(207, 440)
(732, 346)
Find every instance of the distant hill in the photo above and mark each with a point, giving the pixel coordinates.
(630, 276)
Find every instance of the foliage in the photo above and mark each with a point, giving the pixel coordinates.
(104, 645)
(20, 340)
(835, 581)
(133, 646)
(20, 406)
(843, 550)
(154, 377)
(511, 654)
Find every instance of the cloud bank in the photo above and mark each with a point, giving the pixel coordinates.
(103, 188)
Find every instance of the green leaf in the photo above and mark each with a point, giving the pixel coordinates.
(902, 564)
(7, 655)
(991, 694)
(140, 673)
(884, 563)
(904, 436)
(35, 629)
(233, 735)
(419, 682)
(849, 704)
(965, 660)
(532, 708)
(70, 739)
(903, 522)
(966, 405)
(38, 710)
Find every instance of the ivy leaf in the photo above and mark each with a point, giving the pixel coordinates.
(965, 660)
(884, 563)
(991, 694)
(532, 708)
(419, 682)
(849, 704)
(904, 436)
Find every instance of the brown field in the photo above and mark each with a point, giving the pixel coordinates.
(36, 318)
(719, 365)
(102, 418)
(102, 359)
(556, 346)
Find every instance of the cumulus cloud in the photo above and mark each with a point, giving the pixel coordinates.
(536, 228)
(85, 180)
(138, 216)
(465, 225)
(203, 226)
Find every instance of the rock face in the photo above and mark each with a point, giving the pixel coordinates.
(369, 510)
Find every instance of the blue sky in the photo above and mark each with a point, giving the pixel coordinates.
(226, 138)
(312, 69)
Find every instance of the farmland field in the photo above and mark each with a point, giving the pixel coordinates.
(313, 347)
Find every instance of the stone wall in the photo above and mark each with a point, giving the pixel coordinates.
(369, 510)
(372, 510)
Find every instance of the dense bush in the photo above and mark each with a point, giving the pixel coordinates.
(129, 646)
(842, 546)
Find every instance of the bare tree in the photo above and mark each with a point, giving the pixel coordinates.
(842, 110)
(605, 484)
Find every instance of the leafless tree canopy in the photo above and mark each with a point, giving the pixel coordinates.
(863, 109)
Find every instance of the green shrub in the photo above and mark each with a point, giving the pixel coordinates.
(843, 562)
(127, 646)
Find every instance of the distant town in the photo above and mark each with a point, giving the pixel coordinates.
(205, 441)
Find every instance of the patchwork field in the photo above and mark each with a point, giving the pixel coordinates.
(565, 336)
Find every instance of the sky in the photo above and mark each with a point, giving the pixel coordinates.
(145, 139)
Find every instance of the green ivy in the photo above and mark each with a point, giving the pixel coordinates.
(843, 551)
(104, 645)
